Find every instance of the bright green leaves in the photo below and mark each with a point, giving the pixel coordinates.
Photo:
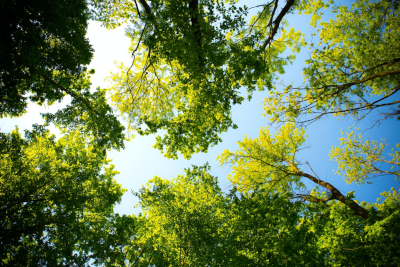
(266, 161)
(190, 60)
(188, 221)
(353, 69)
(360, 161)
(48, 187)
(182, 218)
(113, 13)
(264, 230)
(344, 238)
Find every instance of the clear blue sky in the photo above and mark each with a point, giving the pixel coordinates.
(139, 162)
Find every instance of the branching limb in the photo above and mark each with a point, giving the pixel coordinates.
(276, 23)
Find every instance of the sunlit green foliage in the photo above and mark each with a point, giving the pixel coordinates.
(48, 188)
(359, 161)
(189, 221)
(181, 219)
(190, 62)
(353, 69)
(190, 59)
(266, 161)
(346, 240)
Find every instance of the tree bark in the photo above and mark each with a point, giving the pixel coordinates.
(336, 194)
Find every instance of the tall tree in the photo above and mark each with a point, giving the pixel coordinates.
(190, 59)
(354, 68)
(48, 190)
(189, 221)
(182, 219)
(270, 162)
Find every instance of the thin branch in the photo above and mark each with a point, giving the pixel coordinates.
(137, 8)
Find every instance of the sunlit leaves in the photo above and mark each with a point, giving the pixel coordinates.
(181, 218)
(352, 70)
(263, 161)
(189, 62)
(47, 188)
(359, 161)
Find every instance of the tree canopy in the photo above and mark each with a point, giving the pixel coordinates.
(48, 190)
(43, 44)
(353, 69)
(191, 62)
(44, 57)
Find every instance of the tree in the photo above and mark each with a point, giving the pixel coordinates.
(355, 66)
(189, 221)
(49, 189)
(181, 220)
(43, 44)
(270, 162)
(190, 59)
(354, 69)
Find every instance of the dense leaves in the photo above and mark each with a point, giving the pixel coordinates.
(43, 45)
(48, 188)
(91, 115)
(44, 56)
(189, 221)
(354, 69)
(190, 60)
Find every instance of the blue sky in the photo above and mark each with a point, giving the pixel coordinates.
(140, 162)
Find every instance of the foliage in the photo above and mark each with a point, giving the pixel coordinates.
(43, 45)
(189, 221)
(264, 161)
(359, 161)
(107, 238)
(43, 59)
(263, 230)
(96, 120)
(345, 239)
(270, 162)
(353, 69)
(48, 188)
(190, 59)
(190, 62)
(181, 220)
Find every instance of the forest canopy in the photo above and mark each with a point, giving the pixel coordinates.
(191, 63)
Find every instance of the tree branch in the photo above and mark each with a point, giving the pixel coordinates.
(277, 21)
